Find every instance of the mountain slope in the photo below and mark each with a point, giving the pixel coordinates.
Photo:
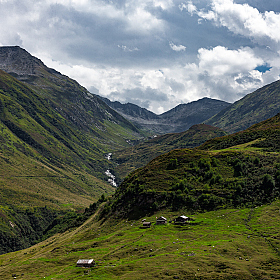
(139, 155)
(184, 116)
(178, 119)
(260, 105)
(73, 102)
(54, 137)
(238, 244)
(47, 167)
(265, 135)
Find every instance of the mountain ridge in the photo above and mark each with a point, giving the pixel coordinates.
(177, 119)
(253, 108)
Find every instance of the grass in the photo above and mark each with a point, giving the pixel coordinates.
(223, 244)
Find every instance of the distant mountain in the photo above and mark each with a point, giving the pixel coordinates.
(139, 155)
(130, 110)
(183, 116)
(260, 105)
(178, 119)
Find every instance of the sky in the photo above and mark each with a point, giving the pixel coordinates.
(153, 53)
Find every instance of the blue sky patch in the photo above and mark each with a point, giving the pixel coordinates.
(263, 68)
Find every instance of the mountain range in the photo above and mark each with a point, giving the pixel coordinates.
(178, 119)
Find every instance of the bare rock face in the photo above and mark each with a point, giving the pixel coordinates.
(18, 61)
(21, 64)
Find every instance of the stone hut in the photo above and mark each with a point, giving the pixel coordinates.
(85, 263)
(161, 221)
(147, 224)
(181, 220)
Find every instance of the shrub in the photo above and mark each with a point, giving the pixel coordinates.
(173, 163)
(268, 183)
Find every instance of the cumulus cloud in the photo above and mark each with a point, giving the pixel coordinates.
(241, 19)
(221, 61)
(225, 74)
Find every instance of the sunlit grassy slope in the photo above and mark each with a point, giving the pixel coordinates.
(53, 141)
(222, 244)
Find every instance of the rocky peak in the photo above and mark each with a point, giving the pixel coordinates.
(18, 62)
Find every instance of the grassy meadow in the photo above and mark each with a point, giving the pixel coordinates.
(222, 244)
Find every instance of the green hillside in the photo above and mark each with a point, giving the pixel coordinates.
(139, 155)
(264, 135)
(230, 192)
(258, 106)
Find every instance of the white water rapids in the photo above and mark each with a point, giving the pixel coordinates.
(112, 177)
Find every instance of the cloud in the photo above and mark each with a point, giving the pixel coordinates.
(155, 53)
(225, 74)
(177, 48)
(220, 61)
(127, 49)
(241, 19)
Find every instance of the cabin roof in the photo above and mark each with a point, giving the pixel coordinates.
(184, 217)
(90, 261)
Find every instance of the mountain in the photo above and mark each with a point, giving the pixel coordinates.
(260, 105)
(54, 138)
(129, 110)
(178, 119)
(83, 112)
(139, 155)
(183, 116)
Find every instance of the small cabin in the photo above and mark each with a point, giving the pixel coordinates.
(161, 221)
(85, 263)
(181, 220)
(147, 224)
